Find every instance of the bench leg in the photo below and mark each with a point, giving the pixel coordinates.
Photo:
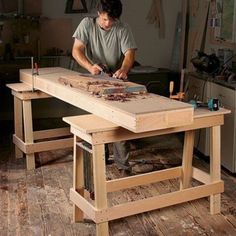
(100, 191)
(28, 131)
(187, 159)
(78, 179)
(215, 167)
(18, 123)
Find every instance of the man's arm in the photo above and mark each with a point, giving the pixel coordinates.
(126, 65)
(78, 52)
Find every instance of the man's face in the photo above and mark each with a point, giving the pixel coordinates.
(105, 21)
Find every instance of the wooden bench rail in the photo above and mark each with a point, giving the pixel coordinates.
(142, 179)
(29, 148)
(144, 205)
(52, 133)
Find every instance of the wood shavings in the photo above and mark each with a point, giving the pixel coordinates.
(123, 97)
(105, 83)
(109, 90)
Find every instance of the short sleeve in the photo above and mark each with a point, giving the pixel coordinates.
(127, 39)
(81, 33)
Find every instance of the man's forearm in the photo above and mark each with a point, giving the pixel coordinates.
(126, 65)
(128, 60)
(80, 57)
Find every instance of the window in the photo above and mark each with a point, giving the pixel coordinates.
(223, 20)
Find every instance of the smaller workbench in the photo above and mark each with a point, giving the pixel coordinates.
(98, 131)
(27, 140)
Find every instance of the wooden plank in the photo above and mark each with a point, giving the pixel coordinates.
(18, 122)
(90, 123)
(156, 202)
(100, 191)
(19, 87)
(51, 133)
(126, 114)
(83, 205)
(142, 179)
(48, 145)
(201, 112)
(19, 143)
(198, 12)
(215, 166)
(28, 131)
(82, 135)
(124, 134)
(78, 179)
(187, 159)
(30, 148)
(93, 124)
(201, 176)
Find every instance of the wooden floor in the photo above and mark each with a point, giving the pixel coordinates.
(37, 202)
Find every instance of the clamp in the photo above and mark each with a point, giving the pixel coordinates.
(35, 71)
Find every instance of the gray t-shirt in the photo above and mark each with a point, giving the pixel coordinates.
(107, 47)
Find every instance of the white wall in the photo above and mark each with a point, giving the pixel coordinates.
(151, 50)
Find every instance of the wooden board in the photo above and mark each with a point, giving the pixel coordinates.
(19, 87)
(197, 24)
(142, 113)
(101, 85)
(90, 123)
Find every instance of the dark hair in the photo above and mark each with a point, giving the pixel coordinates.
(112, 7)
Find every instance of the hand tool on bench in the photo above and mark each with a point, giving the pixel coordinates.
(212, 104)
(106, 72)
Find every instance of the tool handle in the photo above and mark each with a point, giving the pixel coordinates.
(171, 87)
(36, 68)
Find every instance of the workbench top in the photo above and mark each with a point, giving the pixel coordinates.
(144, 112)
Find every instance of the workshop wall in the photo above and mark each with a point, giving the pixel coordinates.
(151, 49)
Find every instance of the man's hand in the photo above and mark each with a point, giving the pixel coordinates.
(78, 53)
(128, 62)
(95, 69)
(120, 74)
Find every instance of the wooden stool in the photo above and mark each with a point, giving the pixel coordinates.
(98, 132)
(24, 136)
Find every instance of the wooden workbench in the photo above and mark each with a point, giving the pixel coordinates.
(140, 114)
(98, 132)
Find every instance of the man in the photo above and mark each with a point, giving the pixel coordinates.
(106, 41)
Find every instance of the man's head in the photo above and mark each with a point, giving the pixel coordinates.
(108, 12)
(113, 8)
